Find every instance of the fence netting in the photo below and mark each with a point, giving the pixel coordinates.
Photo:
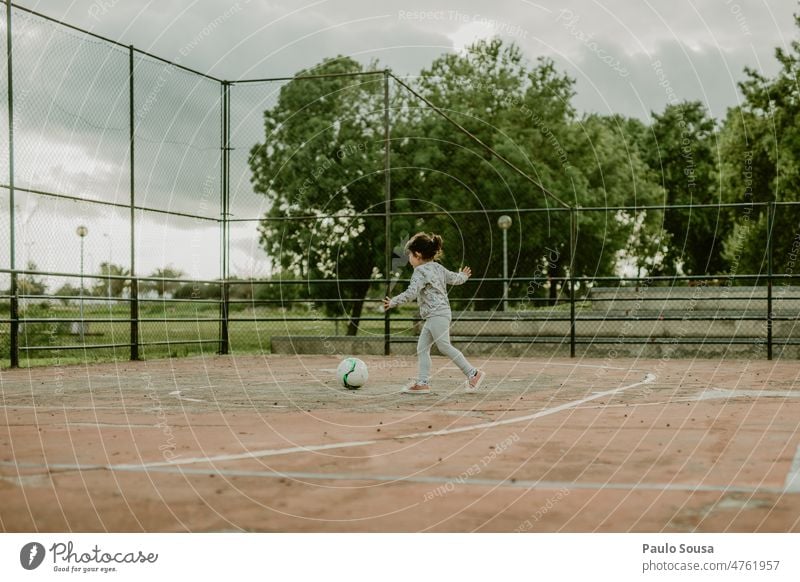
(158, 211)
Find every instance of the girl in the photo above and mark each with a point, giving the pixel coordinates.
(429, 287)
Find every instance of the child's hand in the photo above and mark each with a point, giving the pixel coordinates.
(386, 304)
(467, 271)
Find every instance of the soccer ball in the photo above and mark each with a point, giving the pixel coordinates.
(352, 373)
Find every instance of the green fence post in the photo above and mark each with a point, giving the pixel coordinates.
(14, 313)
(770, 224)
(224, 329)
(573, 223)
(134, 312)
(14, 307)
(387, 329)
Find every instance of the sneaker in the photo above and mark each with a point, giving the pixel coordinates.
(475, 381)
(417, 389)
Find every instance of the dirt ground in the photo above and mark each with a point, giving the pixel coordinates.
(272, 443)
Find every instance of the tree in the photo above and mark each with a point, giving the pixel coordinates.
(67, 290)
(761, 150)
(611, 173)
(278, 292)
(680, 147)
(163, 287)
(198, 291)
(312, 162)
(31, 284)
(111, 287)
(645, 246)
(322, 155)
(520, 113)
(525, 114)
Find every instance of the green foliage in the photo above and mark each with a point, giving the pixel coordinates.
(761, 163)
(31, 284)
(40, 333)
(163, 287)
(111, 287)
(323, 154)
(67, 290)
(680, 147)
(611, 172)
(436, 167)
(525, 114)
(280, 295)
(197, 291)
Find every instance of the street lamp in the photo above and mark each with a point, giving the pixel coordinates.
(82, 231)
(504, 222)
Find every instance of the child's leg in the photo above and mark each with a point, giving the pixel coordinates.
(424, 354)
(440, 330)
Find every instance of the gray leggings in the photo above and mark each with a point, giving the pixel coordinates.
(437, 330)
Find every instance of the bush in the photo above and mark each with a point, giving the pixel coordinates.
(283, 295)
(34, 334)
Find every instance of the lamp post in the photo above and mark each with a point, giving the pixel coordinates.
(504, 222)
(82, 231)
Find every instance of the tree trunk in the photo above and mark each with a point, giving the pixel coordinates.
(358, 307)
(355, 318)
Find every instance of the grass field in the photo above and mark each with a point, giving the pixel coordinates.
(164, 326)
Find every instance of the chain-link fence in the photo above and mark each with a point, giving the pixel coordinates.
(149, 210)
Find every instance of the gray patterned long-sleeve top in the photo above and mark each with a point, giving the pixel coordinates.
(429, 287)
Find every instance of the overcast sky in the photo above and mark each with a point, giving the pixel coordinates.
(703, 45)
(628, 57)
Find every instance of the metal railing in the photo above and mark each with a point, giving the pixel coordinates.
(135, 312)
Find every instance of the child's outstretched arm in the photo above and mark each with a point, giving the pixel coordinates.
(414, 287)
(459, 278)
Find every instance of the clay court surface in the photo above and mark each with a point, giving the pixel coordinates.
(271, 443)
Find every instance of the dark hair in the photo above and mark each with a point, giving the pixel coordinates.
(429, 246)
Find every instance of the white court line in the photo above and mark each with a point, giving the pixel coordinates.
(34, 407)
(792, 484)
(312, 448)
(432, 480)
(721, 393)
(546, 412)
(177, 394)
(104, 425)
(600, 366)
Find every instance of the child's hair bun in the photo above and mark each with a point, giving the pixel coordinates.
(428, 246)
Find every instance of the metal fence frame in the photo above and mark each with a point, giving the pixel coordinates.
(568, 284)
